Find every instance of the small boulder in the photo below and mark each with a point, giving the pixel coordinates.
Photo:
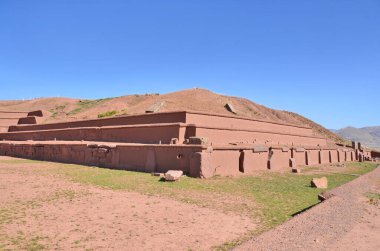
(296, 170)
(319, 182)
(173, 175)
(325, 195)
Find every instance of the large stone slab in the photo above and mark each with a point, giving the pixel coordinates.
(173, 175)
(319, 182)
(230, 108)
(156, 107)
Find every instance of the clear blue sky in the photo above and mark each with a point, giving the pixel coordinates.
(318, 58)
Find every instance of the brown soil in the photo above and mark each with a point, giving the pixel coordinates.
(41, 209)
(65, 109)
(347, 221)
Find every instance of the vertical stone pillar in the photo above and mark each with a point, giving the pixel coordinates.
(361, 157)
(330, 157)
(339, 156)
(150, 163)
(201, 165)
(270, 164)
(241, 161)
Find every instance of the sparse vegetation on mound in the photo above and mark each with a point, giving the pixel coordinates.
(57, 110)
(107, 114)
(87, 104)
(112, 113)
(63, 109)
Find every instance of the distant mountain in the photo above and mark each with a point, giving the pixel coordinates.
(368, 136)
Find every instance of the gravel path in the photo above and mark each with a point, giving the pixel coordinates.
(344, 222)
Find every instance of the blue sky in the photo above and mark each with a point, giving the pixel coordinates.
(317, 58)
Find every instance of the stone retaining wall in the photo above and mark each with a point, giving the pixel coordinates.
(196, 161)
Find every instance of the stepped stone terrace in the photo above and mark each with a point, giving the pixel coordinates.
(198, 143)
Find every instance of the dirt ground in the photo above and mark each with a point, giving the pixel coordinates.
(41, 210)
(347, 221)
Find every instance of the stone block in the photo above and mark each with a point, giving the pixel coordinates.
(150, 162)
(174, 141)
(271, 164)
(198, 141)
(173, 175)
(260, 149)
(200, 165)
(296, 170)
(156, 107)
(361, 157)
(319, 182)
(300, 149)
(325, 196)
(292, 162)
(230, 108)
(30, 120)
(37, 113)
(354, 145)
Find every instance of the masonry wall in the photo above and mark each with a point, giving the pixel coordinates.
(213, 120)
(155, 133)
(193, 160)
(375, 154)
(254, 161)
(225, 136)
(148, 134)
(312, 157)
(280, 158)
(151, 118)
(8, 118)
(143, 158)
(325, 157)
(189, 117)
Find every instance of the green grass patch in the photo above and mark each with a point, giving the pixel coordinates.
(269, 199)
(272, 198)
(374, 198)
(108, 114)
(19, 161)
(360, 167)
(87, 104)
(58, 109)
(112, 113)
(21, 242)
(278, 196)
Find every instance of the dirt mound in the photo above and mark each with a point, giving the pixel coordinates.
(66, 109)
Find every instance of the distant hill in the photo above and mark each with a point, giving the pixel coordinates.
(68, 109)
(369, 136)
